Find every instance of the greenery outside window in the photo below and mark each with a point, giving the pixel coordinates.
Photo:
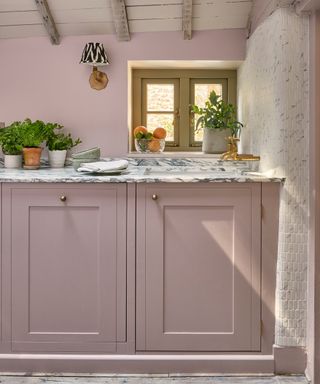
(162, 97)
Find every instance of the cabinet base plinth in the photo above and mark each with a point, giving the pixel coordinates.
(235, 364)
(291, 360)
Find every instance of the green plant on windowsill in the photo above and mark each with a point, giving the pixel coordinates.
(217, 114)
(218, 120)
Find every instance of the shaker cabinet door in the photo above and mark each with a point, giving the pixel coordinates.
(68, 251)
(198, 267)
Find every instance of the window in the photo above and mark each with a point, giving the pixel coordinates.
(162, 98)
(160, 106)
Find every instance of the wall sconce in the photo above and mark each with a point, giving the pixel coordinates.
(95, 55)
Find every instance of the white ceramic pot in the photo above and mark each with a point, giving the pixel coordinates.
(13, 161)
(214, 141)
(57, 158)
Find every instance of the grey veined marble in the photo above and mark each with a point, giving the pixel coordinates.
(163, 379)
(163, 170)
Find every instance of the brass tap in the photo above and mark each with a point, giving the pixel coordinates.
(232, 152)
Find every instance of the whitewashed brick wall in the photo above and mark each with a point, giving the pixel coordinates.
(274, 105)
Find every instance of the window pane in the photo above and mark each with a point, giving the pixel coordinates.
(160, 97)
(164, 120)
(202, 92)
(201, 95)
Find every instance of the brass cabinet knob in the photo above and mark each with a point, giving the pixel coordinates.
(154, 197)
(63, 198)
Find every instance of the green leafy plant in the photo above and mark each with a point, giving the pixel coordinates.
(217, 114)
(10, 141)
(3, 131)
(60, 142)
(33, 134)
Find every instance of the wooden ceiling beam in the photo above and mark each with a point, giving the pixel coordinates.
(48, 21)
(307, 5)
(120, 19)
(187, 19)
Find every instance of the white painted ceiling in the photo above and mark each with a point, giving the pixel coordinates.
(20, 18)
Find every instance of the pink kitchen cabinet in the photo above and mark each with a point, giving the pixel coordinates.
(199, 267)
(184, 272)
(66, 248)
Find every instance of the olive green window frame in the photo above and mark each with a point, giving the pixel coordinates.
(176, 106)
(183, 118)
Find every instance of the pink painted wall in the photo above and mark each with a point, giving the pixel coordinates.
(38, 80)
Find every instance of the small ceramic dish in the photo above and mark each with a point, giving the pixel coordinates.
(93, 153)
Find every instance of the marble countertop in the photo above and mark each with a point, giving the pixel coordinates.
(146, 171)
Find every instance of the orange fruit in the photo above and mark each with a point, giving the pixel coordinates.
(141, 129)
(160, 133)
(154, 146)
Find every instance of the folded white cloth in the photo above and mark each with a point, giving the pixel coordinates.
(104, 166)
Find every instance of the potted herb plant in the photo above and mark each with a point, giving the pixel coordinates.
(33, 134)
(11, 144)
(58, 144)
(218, 120)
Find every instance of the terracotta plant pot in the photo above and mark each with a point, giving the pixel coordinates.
(31, 157)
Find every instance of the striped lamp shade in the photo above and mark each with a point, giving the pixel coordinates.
(94, 54)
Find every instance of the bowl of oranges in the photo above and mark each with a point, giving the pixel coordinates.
(149, 142)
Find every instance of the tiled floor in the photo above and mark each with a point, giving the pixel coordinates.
(153, 380)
